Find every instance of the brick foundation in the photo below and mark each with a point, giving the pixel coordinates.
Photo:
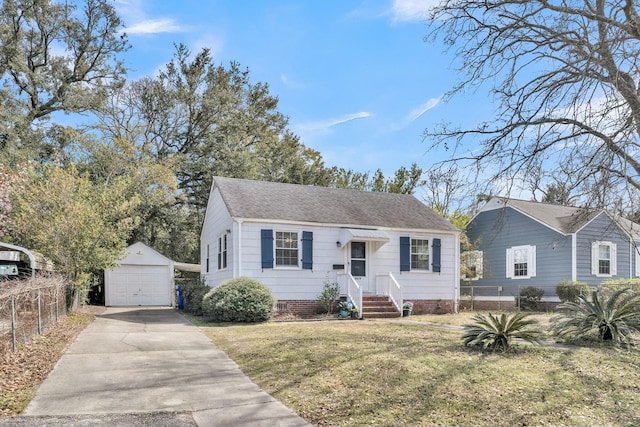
(426, 306)
(307, 307)
(300, 307)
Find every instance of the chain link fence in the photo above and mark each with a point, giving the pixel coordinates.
(28, 307)
(516, 297)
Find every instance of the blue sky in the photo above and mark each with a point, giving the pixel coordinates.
(356, 79)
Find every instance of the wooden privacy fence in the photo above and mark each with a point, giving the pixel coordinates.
(27, 308)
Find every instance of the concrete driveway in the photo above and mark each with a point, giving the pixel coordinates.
(151, 360)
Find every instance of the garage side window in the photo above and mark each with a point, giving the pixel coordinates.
(222, 251)
(207, 258)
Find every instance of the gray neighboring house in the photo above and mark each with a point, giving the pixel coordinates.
(523, 243)
(293, 238)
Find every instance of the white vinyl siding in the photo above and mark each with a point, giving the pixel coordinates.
(521, 262)
(603, 259)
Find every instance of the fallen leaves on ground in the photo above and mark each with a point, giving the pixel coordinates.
(22, 372)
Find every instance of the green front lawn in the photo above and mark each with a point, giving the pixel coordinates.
(343, 373)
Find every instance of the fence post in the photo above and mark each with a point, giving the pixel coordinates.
(39, 314)
(13, 324)
(57, 308)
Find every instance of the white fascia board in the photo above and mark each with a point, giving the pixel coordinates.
(341, 226)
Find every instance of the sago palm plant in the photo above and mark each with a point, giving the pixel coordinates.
(496, 333)
(612, 318)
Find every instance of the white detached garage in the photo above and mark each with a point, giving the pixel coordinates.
(143, 277)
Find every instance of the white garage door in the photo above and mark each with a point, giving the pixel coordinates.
(140, 285)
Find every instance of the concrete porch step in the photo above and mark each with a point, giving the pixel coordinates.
(378, 307)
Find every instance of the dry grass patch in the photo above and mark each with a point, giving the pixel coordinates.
(341, 373)
(465, 317)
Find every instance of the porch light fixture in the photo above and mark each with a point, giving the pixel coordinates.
(338, 244)
(228, 231)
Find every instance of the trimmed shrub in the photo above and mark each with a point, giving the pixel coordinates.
(193, 292)
(569, 291)
(239, 300)
(616, 285)
(329, 296)
(530, 297)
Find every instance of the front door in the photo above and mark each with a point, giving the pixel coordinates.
(358, 262)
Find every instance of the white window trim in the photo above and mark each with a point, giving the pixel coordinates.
(429, 248)
(595, 258)
(478, 261)
(636, 250)
(223, 240)
(531, 262)
(275, 248)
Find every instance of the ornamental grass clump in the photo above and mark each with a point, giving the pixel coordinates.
(497, 333)
(613, 318)
(239, 300)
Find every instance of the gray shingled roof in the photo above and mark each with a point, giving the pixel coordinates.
(569, 219)
(566, 219)
(305, 203)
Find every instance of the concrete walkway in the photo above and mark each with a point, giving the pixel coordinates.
(155, 366)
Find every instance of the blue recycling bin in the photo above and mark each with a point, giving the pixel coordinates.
(180, 296)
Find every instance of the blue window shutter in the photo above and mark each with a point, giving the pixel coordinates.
(405, 254)
(307, 250)
(435, 247)
(267, 248)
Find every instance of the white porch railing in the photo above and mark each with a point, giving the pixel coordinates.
(350, 287)
(386, 284)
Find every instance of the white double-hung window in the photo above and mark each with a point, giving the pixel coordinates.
(521, 262)
(286, 249)
(603, 259)
(471, 263)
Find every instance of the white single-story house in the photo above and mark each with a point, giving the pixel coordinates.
(294, 238)
(143, 278)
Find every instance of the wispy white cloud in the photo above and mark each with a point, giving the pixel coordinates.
(290, 82)
(412, 10)
(155, 26)
(326, 124)
(419, 111)
(137, 21)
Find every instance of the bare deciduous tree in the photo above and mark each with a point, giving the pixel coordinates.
(565, 77)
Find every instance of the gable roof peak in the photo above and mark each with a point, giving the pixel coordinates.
(566, 219)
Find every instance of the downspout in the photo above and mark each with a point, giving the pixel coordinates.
(631, 253)
(574, 261)
(239, 249)
(32, 259)
(456, 290)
